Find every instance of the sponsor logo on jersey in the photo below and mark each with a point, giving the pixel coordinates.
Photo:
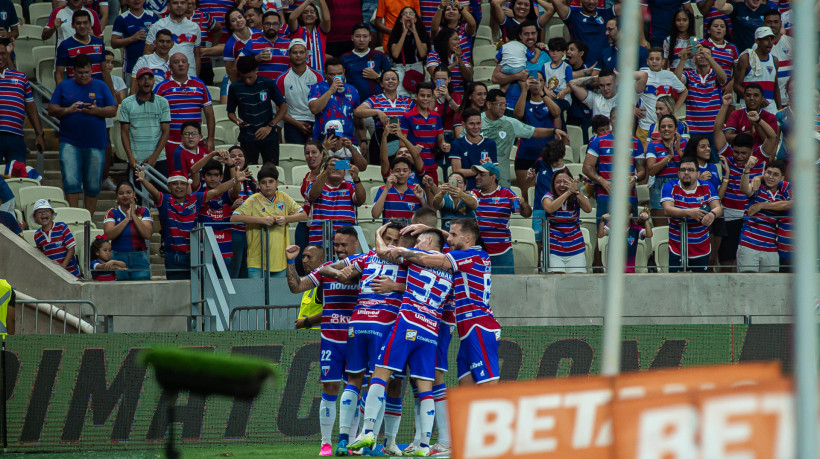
(410, 335)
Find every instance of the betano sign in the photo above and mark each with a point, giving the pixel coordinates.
(711, 412)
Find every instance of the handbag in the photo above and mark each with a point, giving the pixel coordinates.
(412, 77)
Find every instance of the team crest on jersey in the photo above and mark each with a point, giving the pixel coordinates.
(502, 135)
(410, 335)
(281, 206)
(4, 15)
(96, 49)
(325, 369)
(769, 68)
(92, 95)
(263, 96)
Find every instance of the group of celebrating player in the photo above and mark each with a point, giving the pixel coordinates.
(389, 313)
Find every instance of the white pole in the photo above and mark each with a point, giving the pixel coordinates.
(804, 180)
(613, 294)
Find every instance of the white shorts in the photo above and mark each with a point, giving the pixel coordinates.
(757, 261)
(575, 264)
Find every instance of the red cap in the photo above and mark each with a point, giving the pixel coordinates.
(144, 71)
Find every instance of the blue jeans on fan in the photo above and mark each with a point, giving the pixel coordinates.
(239, 261)
(138, 263)
(177, 265)
(503, 263)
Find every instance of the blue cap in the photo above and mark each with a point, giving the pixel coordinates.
(487, 167)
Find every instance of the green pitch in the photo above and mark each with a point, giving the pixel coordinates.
(233, 451)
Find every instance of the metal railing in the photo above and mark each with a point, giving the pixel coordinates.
(152, 175)
(85, 321)
(207, 295)
(264, 317)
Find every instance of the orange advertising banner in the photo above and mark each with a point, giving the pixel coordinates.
(572, 418)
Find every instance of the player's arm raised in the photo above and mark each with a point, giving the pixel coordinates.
(431, 260)
(296, 284)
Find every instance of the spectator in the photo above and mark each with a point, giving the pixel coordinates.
(537, 110)
(693, 200)
(758, 249)
(82, 104)
(637, 230)
(456, 16)
(190, 151)
(312, 257)
(447, 102)
(303, 24)
(158, 60)
(332, 198)
(343, 148)
(145, 120)
(665, 105)
(384, 108)
(128, 226)
(18, 99)
(579, 113)
(528, 35)
(601, 103)
(9, 23)
(424, 129)
(60, 21)
(346, 19)
(746, 16)
(493, 212)
(784, 120)
(448, 52)
(271, 50)
(558, 72)
(185, 33)
(257, 122)
(178, 213)
(658, 82)
(119, 90)
(218, 10)
(81, 43)
(103, 268)
(681, 36)
(662, 159)
(403, 150)
(598, 169)
(782, 50)
(710, 13)
(253, 17)
(704, 92)
(408, 45)
(662, 20)
(97, 6)
(739, 121)
(158, 7)
(258, 214)
(188, 98)
(364, 67)
(6, 197)
(519, 13)
(396, 199)
(315, 156)
(210, 34)
(54, 239)
(239, 241)
(388, 13)
(504, 130)
(241, 35)
(724, 53)
(587, 23)
(609, 56)
(472, 149)
(295, 86)
(453, 200)
(129, 33)
(333, 100)
(759, 66)
(207, 174)
(733, 159)
(700, 147)
(475, 97)
(563, 205)
(540, 176)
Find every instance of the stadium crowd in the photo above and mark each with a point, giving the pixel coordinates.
(393, 85)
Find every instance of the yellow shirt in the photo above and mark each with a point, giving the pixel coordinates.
(259, 206)
(310, 307)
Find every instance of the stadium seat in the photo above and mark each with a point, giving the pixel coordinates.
(588, 246)
(282, 174)
(576, 138)
(484, 36)
(513, 152)
(39, 53)
(641, 257)
(214, 92)
(72, 215)
(643, 195)
(254, 169)
(230, 131)
(28, 236)
(371, 193)
(575, 169)
(660, 247)
(219, 74)
(484, 55)
(522, 233)
(559, 30)
(18, 10)
(39, 13)
(526, 256)
(297, 174)
(107, 31)
(485, 13)
(219, 135)
(292, 152)
(117, 71)
(368, 224)
(15, 184)
(30, 194)
(288, 166)
(571, 155)
(221, 113)
(373, 173)
(293, 192)
(483, 73)
(24, 57)
(44, 71)
(588, 223)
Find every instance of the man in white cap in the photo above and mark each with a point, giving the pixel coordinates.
(295, 86)
(759, 66)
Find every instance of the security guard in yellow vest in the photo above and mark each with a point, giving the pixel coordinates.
(310, 311)
(6, 300)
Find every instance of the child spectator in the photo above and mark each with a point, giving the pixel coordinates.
(216, 212)
(513, 57)
(178, 212)
(102, 266)
(558, 72)
(396, 199)
(638, 230)
(273, 210)
(190, 151)
(239, 262)
(54, 239)
(681, 36)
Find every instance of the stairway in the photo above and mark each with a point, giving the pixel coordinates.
(52, 177)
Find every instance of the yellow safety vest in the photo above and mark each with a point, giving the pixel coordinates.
(5, 299)
(310, 306)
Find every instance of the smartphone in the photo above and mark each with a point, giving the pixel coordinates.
(394, 120)
(440, 82)
(693, 42)
(453, 182)
(331, 132)
(342, 164)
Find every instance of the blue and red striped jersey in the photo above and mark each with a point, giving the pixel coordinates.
(70, 48)
(205, 23)
(377, 308)
(734, 199)
(427, 289)
(714, 13)
(316, 46)
(493, 216)
(216, 213)
(186, 101)
(784, 237)
(659, 151)
(100, 275)
(392, 108)
(603, 147)
(698, 233)
(278, 64)
(424, 131)
(178, 220)
(472, 287)
(702, 101)
(428, 10)
(129, 239)
(15, 91)
(565, 229)
(217, 10)
(398, 204)
(434, 60)
(760, 230)
(18, 169)
(725, 55)
(448, 312)
(56, 243)
(336, 204)
(339, 301)
(766, 77)
(235, 45)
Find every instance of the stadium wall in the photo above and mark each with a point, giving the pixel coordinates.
(69, 393)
